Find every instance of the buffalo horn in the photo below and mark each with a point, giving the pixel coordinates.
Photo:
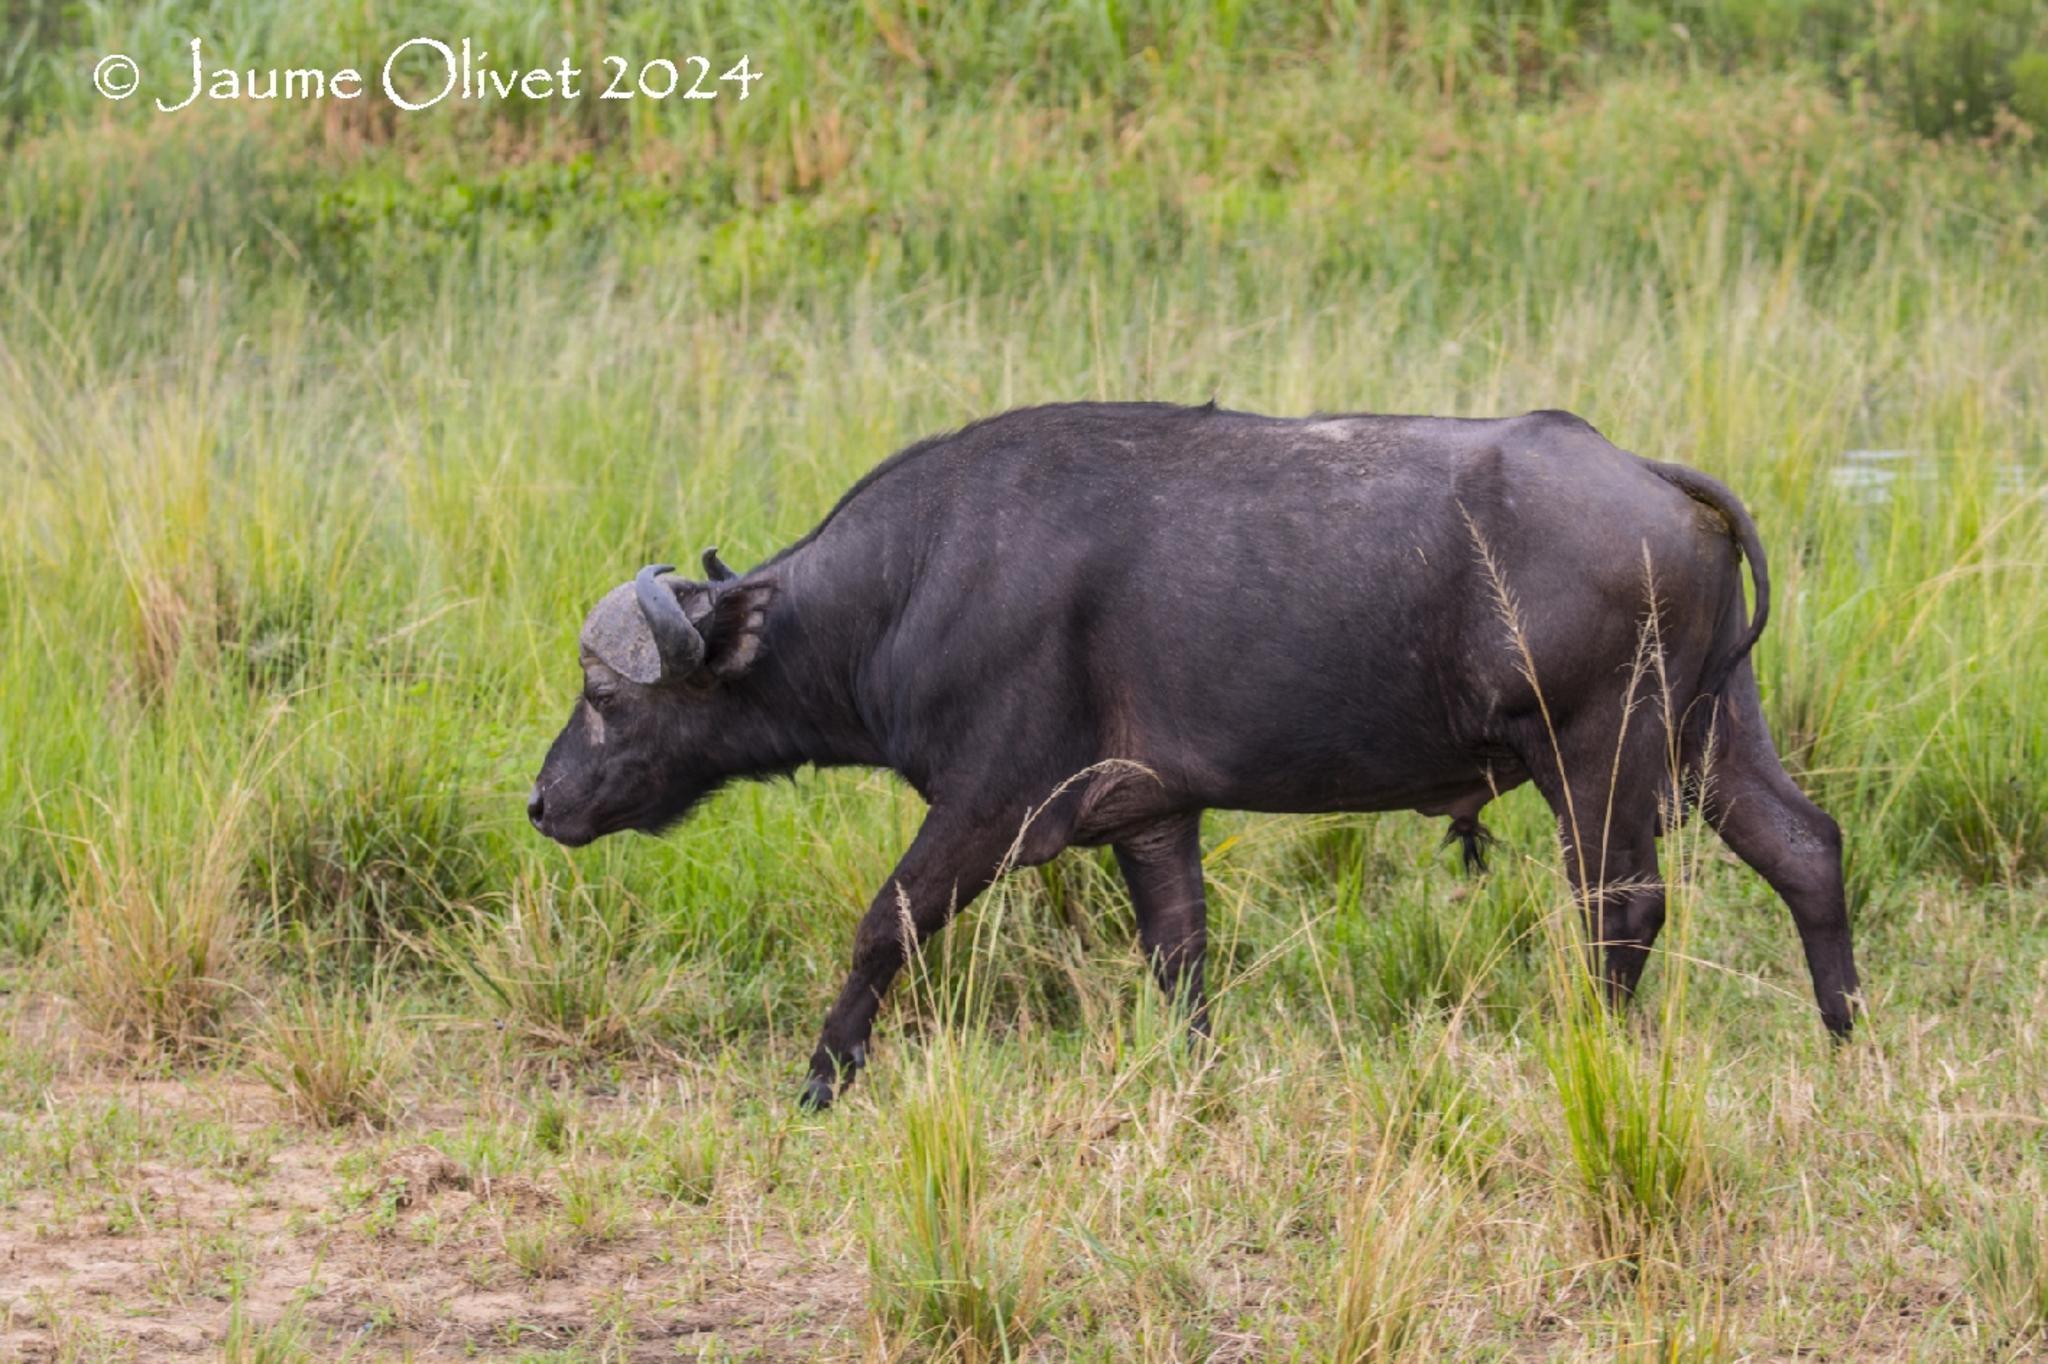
(675, 639)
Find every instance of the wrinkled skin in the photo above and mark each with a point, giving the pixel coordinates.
(1253, 613)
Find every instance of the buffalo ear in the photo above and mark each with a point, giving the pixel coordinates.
(733, 621)
(716, 568)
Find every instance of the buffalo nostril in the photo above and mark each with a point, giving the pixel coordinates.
(535, 806)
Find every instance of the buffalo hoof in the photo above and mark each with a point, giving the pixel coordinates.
(816, 1096)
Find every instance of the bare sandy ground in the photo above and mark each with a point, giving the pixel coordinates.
(367, 1252)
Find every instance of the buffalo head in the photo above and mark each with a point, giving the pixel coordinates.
(663, 658)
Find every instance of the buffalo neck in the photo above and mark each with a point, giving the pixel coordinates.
(805, 687)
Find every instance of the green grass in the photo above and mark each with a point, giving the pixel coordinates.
(2007, 1253)
(320, 435)
(941, 1275)
(561, 970)
(332, 1054)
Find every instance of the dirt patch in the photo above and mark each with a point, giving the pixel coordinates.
(350, 1246)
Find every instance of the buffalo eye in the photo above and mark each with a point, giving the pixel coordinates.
(600, 698)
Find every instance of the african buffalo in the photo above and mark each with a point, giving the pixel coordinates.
(1258, 613)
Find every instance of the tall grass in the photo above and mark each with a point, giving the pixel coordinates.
(1426, 1103)
(402, 537)
(563, 969)
(940, 1274)
(158, 924)
(945, 1272)
(1634, 1111)
(1635, 1130)
(320, 436)
(332, 1055)
(1399, 1225)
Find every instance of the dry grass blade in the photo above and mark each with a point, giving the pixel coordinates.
(155, 950)
(1398, 1231)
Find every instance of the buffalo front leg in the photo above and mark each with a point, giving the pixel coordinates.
(949, 863)
(1162, 864)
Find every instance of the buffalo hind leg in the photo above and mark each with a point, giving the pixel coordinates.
(949, 863)
(1627, 911)
(1620, 894)
(1791, 842)
(1162, 864)
(1606, 807)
